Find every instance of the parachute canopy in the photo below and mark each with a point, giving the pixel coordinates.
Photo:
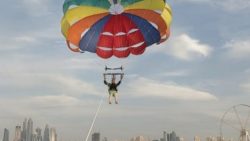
(115, 27)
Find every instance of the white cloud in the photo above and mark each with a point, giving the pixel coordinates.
(228, 5)
(55, 100)
(17, 43)
(151, 88)
(32, 83)
(36, 7)
(246, 87)
(27, 39)
(177, 73)
(238, 49)
(186, 48)
(233, 5)
(46, 107)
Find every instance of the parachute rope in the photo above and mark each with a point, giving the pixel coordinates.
(94, 119)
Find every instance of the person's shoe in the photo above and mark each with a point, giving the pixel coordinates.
(110, 103)
(116, 102)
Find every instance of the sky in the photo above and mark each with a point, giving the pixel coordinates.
(185, 84)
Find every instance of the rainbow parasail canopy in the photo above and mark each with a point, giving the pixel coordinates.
(115, 27)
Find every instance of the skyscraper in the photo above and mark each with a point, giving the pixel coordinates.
(46, 133)
(168, 137)
(164, 136)
(210, 139)
(6, 135)
(220, 138)
(132, 139)
(96, 137)
(39, 134)
(18, 133)
(139, 138)
(24, 132)
(29, 130)
(105, 139)
(196, 138)
(181, 139)
(34, 137)
(173, 136)
(53, 135)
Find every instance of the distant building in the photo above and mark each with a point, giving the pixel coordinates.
(164, 136)
(18, 133)
(210, 139)
(173, 136)
(46, 136)
(132, 139)
(53, 135)
(168, 137)
(29, 130)
(105, 139)
(220, 138)
(96, 137)
(139, 138)
(39, 134)
(181, 139)
(34, 137)
(24, 131)
(6, 135)
(196, 138)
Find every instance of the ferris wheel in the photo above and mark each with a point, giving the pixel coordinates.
(235, 123)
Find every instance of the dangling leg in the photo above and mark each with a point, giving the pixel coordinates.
(115, 96)
(110, 94)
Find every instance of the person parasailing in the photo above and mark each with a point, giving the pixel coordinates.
(112, 87)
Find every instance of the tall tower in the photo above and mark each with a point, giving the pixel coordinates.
(105, 139)
(173, 136)
(34, 137)
(46, 133)
(132, 139)
(244, 135)
(53, 135)
(6, 135)
(96, 137)
(29, 130)
(139, 138)
(18, 133)
(196, 138)
(39, 134)
(164, 136)
(168, 137)
(24, 132)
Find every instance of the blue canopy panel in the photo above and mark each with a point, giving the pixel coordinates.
(90, 39)
(150, 33)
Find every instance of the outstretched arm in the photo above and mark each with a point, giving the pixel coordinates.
(120, 80)
(104, 77)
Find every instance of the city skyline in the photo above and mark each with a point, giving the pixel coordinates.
(26, 132)
(51, 135)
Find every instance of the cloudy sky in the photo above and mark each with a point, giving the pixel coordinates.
(185, 84)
